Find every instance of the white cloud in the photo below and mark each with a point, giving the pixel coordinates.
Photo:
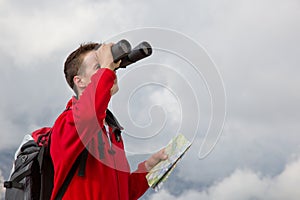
(247, 185)
(33, 33)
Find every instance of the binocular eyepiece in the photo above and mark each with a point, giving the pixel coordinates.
(122, 51)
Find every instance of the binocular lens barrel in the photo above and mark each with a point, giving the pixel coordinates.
(122, 51)
(141, 51)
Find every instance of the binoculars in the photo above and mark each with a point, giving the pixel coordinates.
(122, 51)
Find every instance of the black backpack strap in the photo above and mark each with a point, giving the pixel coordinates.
(82, 162)
(47, 172)
(78, 163)
(14, 184)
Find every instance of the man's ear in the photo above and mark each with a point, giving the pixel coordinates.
(78, 82)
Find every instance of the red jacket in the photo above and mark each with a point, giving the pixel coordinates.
(78, 128)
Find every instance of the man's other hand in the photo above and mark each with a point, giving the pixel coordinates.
(155, 158)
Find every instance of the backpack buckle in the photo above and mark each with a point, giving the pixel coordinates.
(8, 184)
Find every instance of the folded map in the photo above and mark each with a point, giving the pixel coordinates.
(175, 150)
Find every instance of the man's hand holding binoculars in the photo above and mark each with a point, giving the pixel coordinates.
(105, 57)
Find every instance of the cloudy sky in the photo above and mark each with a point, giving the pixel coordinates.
(253, 45)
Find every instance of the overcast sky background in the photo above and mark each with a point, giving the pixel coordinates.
(254, 44)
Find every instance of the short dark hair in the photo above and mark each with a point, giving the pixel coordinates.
(74, 61)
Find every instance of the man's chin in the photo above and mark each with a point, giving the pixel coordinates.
(114, 91)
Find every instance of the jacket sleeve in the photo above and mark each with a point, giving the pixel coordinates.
(138, 184)
(90, 110)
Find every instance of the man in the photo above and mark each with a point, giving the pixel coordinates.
(105, 172)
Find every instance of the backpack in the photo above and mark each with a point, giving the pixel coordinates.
(32, 173)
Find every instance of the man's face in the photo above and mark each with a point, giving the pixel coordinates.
(91, 65)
